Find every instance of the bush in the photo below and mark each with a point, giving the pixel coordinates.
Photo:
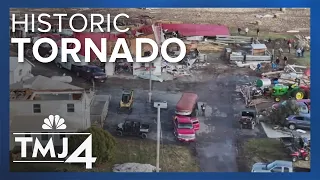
(278, 116)
(103, 143)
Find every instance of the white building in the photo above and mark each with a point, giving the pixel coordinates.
(19, 70)
(36, 98)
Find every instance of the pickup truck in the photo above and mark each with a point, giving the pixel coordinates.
(278, 166)
(90, 73)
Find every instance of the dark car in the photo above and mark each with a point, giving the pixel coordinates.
(298, 121)
(91, 73)
(133, 128)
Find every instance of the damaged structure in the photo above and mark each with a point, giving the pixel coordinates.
(34, 99)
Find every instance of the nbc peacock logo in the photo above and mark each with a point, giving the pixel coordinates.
(54, 122)
(46, 146)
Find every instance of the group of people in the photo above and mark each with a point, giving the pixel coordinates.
(299, 50)
(246, 30)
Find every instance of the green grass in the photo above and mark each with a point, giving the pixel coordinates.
(267, 150)
(173, 158)
(303, 61)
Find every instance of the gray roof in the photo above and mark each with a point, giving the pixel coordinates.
(14, 63)
(43, 83)
(258, 46)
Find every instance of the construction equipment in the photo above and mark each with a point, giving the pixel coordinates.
(279, 91)
(126, 101)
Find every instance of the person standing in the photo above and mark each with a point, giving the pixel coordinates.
(289, 47)
(285, 60)
(277, 61)
(246, 30)
(280, 51)
(258, 31)
(203, 109)
(239, 31)
(298, 52)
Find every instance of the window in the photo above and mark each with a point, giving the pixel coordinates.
(20, 72)
(62, 136)
(45, 137)
(36, 108)
(286, 169)
(277, 169)
(299, 118)
(70, 107)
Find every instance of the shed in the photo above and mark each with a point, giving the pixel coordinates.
(259, 49)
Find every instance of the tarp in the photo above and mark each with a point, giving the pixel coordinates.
(187, 102)
(197, 29)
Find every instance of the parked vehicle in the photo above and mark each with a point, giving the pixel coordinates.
(248, 119)
(70, 61)
(126, 101)
(183, 129)
(298, 153)
(280, 91)
(133, 128)
(90, 73)
(295, 140)
(187, 107)
(302, 104)
(278, 166)
(298, 121)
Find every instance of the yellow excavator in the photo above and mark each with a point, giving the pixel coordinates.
(126, 101)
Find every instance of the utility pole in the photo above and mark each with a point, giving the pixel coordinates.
(150, 83)
(158, 138)
(159, 105)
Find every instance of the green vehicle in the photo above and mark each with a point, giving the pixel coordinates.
(280, 91)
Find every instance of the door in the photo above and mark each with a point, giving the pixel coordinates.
(299, 121)
(306, 122)
(85, 72)
(276, 170)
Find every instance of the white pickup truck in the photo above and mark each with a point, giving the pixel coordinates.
(70, 62)
(278, 166)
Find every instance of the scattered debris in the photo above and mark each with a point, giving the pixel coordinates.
(133, 167)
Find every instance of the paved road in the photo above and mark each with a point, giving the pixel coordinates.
(216, 141)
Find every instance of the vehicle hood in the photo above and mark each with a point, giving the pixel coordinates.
(99, 74)
(186, 131)
(120, 125)
(259, 167)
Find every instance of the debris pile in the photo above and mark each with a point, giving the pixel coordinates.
(133, 167)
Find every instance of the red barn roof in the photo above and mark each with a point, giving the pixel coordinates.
(197, 29)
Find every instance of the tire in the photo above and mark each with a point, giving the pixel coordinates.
(292, 126)
(306, 158)
(119, 133)
(294, 159)
(298, 94)
(277, 99)
(143, 135)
